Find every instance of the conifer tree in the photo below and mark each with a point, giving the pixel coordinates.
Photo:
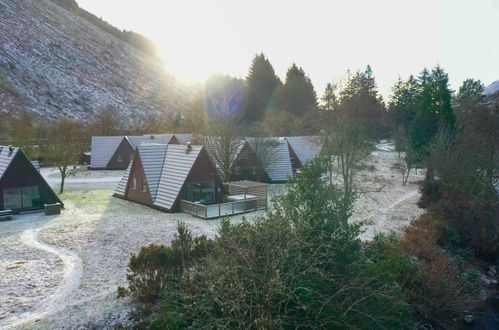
(261, 84)
(360, 101)
(403, 103)
(434, 110)
(297, 95)
(329, 101)
(470, 94)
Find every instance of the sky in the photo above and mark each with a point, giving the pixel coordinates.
(326, 37)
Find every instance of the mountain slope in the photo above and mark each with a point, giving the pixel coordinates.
(492, 88)
(54, 64)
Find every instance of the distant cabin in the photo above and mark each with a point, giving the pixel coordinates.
(22, 188)
(304, 149)
(116, 152)
(161, 175)
(275, 158)
(244, 163)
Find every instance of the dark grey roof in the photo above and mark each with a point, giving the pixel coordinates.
(306, 148)
(166, 167)
(103, 148)
(152, 157)
(121, 188)
(177, 165)
(278, 165)
(6, 156)
(214, 146)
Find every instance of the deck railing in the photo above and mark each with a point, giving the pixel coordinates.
(224, 209)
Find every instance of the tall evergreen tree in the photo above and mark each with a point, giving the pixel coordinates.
(403, 103)
(434, 110)
(470, 94)
(360, 100)
(261, 84)
(297, 95)
(329, 101)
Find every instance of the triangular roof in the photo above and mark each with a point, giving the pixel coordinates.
(183, 138)
(306, 148)
(150, 138)
(103, 149)
(121, 188)
(214, 145)
(166, 167)
(279, 167)
(7, 155)
(176, 167)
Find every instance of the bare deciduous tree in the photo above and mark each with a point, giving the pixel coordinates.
(349, 146)
(64, 142)
(223, 142)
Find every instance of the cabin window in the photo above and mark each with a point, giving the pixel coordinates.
(134, 183)
(144, 185)
(21, 198)
(253, 170)
(202, 192)
(119, 159)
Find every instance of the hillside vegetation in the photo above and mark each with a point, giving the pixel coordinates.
(56, 64)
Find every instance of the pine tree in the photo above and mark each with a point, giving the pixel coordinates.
(360, 101)
(297, 95)
(404, 102)
(470, 94)
(261, 84)
(434, 110)
(329, 101)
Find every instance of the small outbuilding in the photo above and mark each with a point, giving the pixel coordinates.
(22, 187)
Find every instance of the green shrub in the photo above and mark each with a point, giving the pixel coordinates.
(157, 266)
(299, 266)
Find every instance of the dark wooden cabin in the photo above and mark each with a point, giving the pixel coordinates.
(22, 188)
(163, 174)
(116, 152)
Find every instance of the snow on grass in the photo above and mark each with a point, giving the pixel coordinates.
(394, 207)
(96, 233)
(63, 271)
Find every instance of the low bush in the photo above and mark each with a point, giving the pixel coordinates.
(437, 287)
(157, 266)
(299, 266)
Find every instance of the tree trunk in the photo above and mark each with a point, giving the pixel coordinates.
(63, 178)
(61, 190)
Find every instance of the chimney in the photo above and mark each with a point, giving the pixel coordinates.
(189, 147)
(11, 150)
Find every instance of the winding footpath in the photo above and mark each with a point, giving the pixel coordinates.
(71, 279)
